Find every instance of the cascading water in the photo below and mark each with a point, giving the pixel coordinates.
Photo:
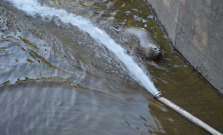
(32, 7)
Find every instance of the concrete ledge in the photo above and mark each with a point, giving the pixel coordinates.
(196, 30)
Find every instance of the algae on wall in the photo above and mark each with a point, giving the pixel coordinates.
(195, 29)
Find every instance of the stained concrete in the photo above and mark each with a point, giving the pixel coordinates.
(195, 28)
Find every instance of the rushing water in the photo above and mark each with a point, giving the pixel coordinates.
(64, 71)
(31, 7)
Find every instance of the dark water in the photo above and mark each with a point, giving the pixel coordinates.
(56, 79)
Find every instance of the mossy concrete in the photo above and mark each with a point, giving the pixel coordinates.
(196, 31)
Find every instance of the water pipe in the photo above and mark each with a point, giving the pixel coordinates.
(186, 114)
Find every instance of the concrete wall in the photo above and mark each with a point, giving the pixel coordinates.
(195, 28)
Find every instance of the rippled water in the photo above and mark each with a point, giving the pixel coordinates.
(57, 79)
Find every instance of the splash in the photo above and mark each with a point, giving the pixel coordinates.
(32, 8)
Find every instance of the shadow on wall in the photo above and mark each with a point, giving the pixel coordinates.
(195, 29)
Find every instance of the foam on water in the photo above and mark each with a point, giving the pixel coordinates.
(141, 34)
(32, 7)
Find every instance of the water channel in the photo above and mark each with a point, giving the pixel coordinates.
(59, 74)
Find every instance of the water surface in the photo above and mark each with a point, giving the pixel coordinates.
(57, 79)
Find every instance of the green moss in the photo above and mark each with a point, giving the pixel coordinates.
(42, 59)
(28, 42)
(48, 63)
(7, 82)
(30, 61)
(53, 78)
(2, 37)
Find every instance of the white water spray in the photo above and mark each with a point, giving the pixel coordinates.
(32, 7)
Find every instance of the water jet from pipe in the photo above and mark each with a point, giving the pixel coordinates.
(32, 7)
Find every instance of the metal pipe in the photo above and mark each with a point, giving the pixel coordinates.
(186, 114)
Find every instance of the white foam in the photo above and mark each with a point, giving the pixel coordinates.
(142, 35)
(32, 7)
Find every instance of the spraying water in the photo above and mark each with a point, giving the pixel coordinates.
(32, 7)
